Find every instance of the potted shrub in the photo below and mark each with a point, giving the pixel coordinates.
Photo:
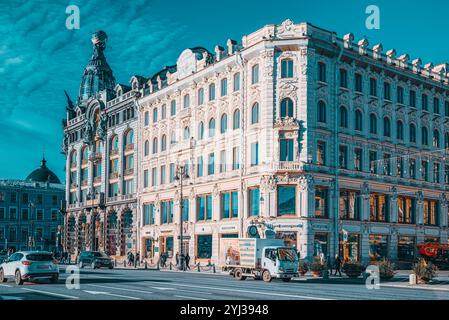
(424, 271)
(317, 267)
(353, 269)
(386, 269)
(303, 267)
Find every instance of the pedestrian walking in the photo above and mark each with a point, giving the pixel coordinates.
(337, 265)
(177, 258)
(138, 258)
(329, 264)
(187, 260)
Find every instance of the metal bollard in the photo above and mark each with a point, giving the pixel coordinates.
(214, 267)
(124, 263)
(199, 267)
(115, 262)
(170, 266)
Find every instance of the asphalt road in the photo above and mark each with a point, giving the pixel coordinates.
(119, 284)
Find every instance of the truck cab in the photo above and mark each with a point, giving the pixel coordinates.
(280, 262)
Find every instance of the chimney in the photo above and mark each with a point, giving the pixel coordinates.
(232, 44)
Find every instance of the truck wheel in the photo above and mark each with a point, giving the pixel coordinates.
(286, 279)
(266, 276)
(238, 274)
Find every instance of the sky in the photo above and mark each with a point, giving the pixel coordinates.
(40, 57)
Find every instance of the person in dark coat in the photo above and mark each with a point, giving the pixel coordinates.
(177, 258)
(337, 265)
(187, 260)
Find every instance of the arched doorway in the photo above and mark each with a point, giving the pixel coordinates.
(127, 232)
(111, 234)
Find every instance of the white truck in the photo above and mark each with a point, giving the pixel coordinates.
(258, 258)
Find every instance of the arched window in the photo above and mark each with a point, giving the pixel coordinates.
(146, 150)
(73, 157)
(129, 137)
(387, 127)
(358, 120)
(164, 142)
(154, 115)
(186, 101)
(211, 127)
(412, 133)
(200, 96)
(212, 91)
(147, 118)
(236, 119)
(436, 138)
(186, 133)
(286, 68)
(173, 137)
(424, 136)
(399, 130)
(154, 145)
(321, 112)
(84, 153)
(172, 107)
(224, 123)
(255, 74)
(286, 108)
(163, 112)
(343, 117)
(372, 123)
(255, 113)
(114, 143)
(201, 131)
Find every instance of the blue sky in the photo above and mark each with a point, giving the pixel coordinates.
(39, 57)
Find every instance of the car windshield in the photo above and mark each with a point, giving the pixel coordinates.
(287, 254)
(99, 254)
(39, 257)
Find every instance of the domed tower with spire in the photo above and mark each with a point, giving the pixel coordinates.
(43, 174)
(97, 75)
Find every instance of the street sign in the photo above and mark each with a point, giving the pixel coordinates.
(184, 237)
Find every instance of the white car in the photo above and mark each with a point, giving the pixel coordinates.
(29, 265)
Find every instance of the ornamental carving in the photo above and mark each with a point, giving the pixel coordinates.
(268, 182)
(287, 88)
(286, 123)
(288, 29)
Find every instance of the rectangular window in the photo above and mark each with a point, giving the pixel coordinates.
(358, 83)
(211, 164)
(387, 91)
(358, 158)
(167, 212)
(286, 152)
(425, 102)
(163, 174)
(425, 170)
(343, 78)
(446, 108)
(254, 154)
(399, 167)
(255, 74)
(373, 162)
(343, 157)
(12, 213)
(287, 68)
(172, 172)
(185, 209)
(412, 99)
(378, 247)
(172, 107)
(148, 209)
(373, 87)
(406, 248)
(431, 213)
(400, 95)
(25, 214)
(2, 214)
(379, 207)
(254, 202)
(321, 202)
(128, 184)
(321, 153)
(436, 105)
(145, 178)
(224, 87)
(286, 200)
(446, 174)
(350, 205)
(153, 177)
(412, 168)
(235, 158)
(204, 246)
(39, 199)
(387, 164)
(200, 166)
(321, 72)
(406, 210)
(204, 207)
(222, 161)
(436, 172)
(113, 189)
(200, 96)
(229, 205)
(237, 81)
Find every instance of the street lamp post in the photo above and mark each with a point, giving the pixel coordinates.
(180, 175)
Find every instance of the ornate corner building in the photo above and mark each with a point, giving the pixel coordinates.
(339, 147)
(99, 143)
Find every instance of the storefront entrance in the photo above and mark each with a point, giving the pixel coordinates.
(204, 246)
(349, 249)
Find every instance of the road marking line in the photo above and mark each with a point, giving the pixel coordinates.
(111, 294)
(117, 288)
(51, 293)
(250, 291)
(5, 285)
(191, 298)
(163, 288)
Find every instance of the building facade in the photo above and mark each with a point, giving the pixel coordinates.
(100, 147)
(30, 212)
(339, 147)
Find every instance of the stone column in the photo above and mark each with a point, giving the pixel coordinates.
(393, 244)
(365, 192)
(306, 196)
(394, 205)
(364, 244)
(443, 212)
(419, 208)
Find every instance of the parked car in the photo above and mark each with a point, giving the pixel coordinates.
(29, 265)
(95, 259)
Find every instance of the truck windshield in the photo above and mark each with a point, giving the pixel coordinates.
(287, 254)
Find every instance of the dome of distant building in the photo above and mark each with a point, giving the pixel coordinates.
(43, 174)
